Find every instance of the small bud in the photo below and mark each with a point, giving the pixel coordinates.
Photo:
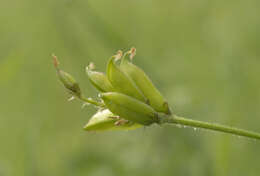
(143, 82)
(121, 82)
(130, 108)
(68, 81)
(99, 80)
(104, 120)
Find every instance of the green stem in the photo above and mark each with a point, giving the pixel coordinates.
(212, 126)
(88, 100)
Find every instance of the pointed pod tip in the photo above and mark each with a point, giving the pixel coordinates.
(118, 55)
(129, 55)
(55, 61)
(110, 65)
(132, 52)
(111, 60)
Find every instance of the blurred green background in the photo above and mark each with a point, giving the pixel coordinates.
(203, 55)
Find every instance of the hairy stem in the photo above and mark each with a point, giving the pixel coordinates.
(212, 126)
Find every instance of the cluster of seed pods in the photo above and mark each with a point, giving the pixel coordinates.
(128, 98)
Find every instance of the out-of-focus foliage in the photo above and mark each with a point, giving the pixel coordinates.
(202, 55)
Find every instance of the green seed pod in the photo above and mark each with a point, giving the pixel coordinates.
(67, 80)
(121, 82)
(99, 80)
(155, 99)
(105, 120)
(129, 108)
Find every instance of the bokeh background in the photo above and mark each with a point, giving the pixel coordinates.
(203, 55)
